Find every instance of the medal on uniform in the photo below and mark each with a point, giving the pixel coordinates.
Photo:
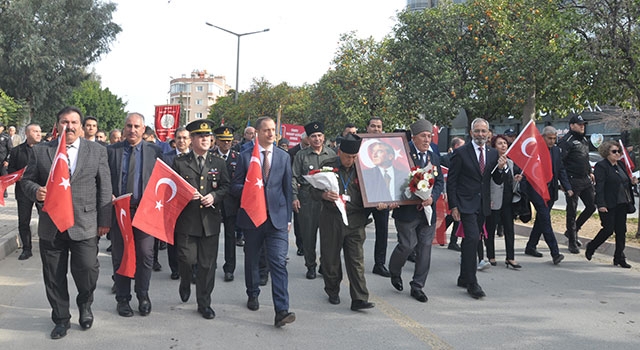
(214, 184)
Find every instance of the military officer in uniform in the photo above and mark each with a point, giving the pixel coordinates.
(198, 227)
(336, 236)
(230, 204)
(307, 208)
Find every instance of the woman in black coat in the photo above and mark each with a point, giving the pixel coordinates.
(613, 196)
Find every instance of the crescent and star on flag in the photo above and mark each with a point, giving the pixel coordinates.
(172, 185)
(259, 182)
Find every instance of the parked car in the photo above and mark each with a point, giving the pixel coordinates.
(594, 157)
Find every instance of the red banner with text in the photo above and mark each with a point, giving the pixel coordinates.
(167, 121)
(292, 132)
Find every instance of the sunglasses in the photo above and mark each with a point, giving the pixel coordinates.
(616, 151)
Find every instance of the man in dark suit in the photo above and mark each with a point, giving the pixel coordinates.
(197, 230)
(542, 225)
(183, 142)
(230, 204)
(274, 232)
(90, 128)
(384, 182)
(411, 223)
(91, 194)
(469, 193)
(131, 162)
(20, 156)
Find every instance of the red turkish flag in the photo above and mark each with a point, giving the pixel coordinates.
(8, 180)
(253, 200)
(627, 159)
(435, 133)
(442, 208)
(128, 264)
(58, 203)
(164, 198)
(530, 152)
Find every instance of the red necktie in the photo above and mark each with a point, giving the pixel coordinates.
(481, 161)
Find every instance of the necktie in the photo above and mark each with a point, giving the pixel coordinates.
(266, 166)
(481, 161)
(201, 162)
(69, 158)
(421, 156)
(387, 178)
(132, 169)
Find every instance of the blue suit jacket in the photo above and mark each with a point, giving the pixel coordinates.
(278, 190)
(467, 188)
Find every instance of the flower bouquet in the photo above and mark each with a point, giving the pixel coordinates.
(326, 179)
(421, 182)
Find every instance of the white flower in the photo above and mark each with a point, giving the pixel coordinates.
(423, 185)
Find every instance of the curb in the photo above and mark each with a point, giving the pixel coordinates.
(607, 248)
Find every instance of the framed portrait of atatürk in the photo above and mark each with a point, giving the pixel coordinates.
(383, 166)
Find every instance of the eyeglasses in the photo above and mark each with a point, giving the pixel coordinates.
(616, 151)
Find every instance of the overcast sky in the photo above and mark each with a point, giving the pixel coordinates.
(161, 39)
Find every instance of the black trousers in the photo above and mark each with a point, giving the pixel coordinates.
(144, 262)
(381, 218)
(84, 269)
(25, 207)
(583, 189)
(229, 244)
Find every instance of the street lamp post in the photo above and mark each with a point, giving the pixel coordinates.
(235, 99)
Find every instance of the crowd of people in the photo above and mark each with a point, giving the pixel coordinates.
(482, 189)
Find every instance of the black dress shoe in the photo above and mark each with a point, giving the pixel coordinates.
(240, 242)
(320, 270)
(60, 330)
(419, 295)
(109, 248)
(475, 291)
(264, 279)
(124, 309)
(144, 306)
(361, 305)
(622, 263)
(557, 259)
(86, 316)
(380, 269)
(454, 246)
(300, 252)
(396, 282)
(253, 304)
(311, 273)
(334, 299)
(207, 312)
(533, 252)
(26, 254)
(175, 276)
(228, 276)
(588, 253)
(284, 317)
(157, 266)
(185, 292)
(573, 248)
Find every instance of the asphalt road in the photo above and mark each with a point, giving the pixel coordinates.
(575, 305)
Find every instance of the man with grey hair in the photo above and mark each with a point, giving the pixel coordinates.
(131, 162)
(473, 166)
(247, 137)
(542, 224)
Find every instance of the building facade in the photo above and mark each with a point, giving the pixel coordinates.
(197, 92)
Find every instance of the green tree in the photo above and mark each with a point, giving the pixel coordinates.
(356, 88)
(262, 99)
(609, 33)
(493, 58)
(45, 47)
(11, 111)
(92, 100)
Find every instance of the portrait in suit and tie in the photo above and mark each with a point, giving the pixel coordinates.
(384, 165)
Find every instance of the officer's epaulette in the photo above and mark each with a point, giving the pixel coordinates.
(217, 154)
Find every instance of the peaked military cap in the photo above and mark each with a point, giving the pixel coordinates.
(224, 133)
(201, 126)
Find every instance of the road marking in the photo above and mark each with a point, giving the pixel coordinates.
(419, 331)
